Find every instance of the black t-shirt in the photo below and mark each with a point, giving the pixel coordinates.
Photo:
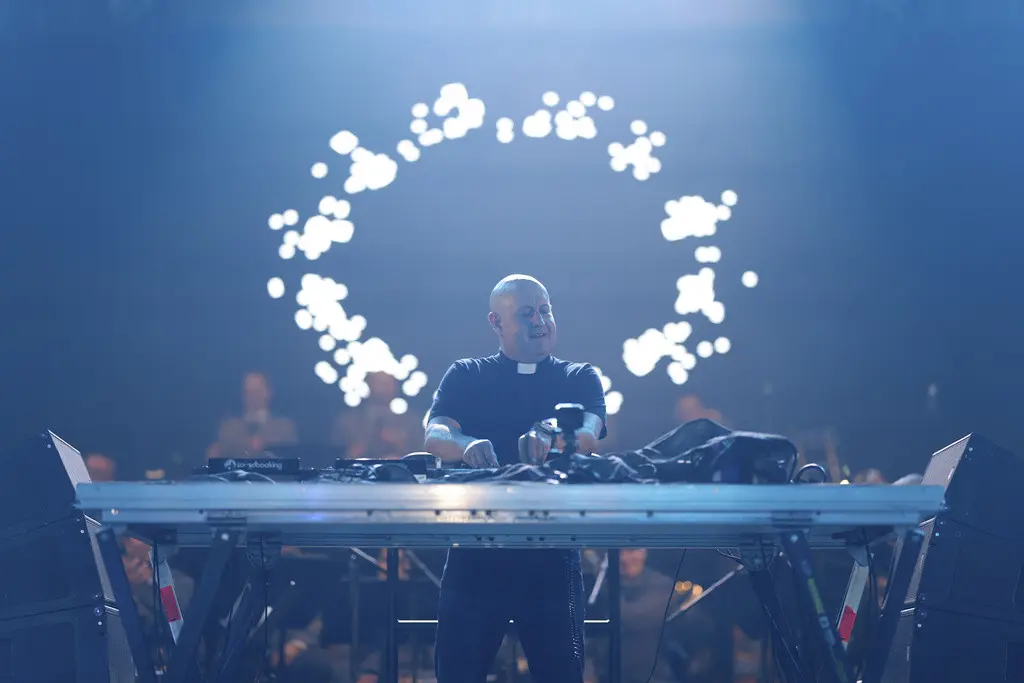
(498, 399)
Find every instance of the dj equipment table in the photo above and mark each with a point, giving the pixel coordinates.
(266, 515)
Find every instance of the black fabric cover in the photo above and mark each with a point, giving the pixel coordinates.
(696, 452)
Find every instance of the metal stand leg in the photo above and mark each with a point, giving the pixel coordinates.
(391, 654)
(111, 554)
(184, 656)
(833, 654)
(787, 658)
(895, 594)
(241, 621)
(614, 618)
(353, 587)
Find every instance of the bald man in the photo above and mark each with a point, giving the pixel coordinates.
(483, 414)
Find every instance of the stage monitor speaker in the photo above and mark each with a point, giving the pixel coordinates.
(52, 567)
(81, 645)
(936, 646)
(58, 622)
(38, 482)
(963, 617)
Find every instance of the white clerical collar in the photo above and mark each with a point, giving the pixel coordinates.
(523, 368)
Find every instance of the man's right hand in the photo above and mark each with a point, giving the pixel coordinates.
(480, 454)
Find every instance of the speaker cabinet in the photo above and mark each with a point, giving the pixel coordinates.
(937, 646)
(81, 645)
(49, 568)
(963, 617)
(58, 623)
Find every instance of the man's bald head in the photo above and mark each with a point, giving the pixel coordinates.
(521, 316)
(506, 288)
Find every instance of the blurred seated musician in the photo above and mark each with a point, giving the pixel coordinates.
(690, 407)
(139, 569)
(101, 467)
(257, 428)
(373, 429)
(869, 476)
(483, 414)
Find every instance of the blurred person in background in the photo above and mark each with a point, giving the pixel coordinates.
(693, 647)
(689, 407)
(372, 429)
(101, 467)
(869, 476)
(257, 428)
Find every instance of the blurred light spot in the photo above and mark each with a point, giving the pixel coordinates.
(612, 399)
(327, 205)
(415, 383)
(537, 124)
(505, 136)
(420, 110)
(729, 198)
(677, 373)
(638, 155)
(678, 332)
(303, 319)
(722, 345)
(369, 171)
(705, 349)
(657, 138)
(276, 221)
(696, 292)
(613, 402)
(749, 279)
(550, 99)
(587, 99)
(418, 126)
(605, 103)
(707, 254)
(318, 170)
(286, 251)
(275, 287)
(291, 217)
(342, 209)
(343, 142)
(689, 216)
(408, 150)
(399, 406)
(429, 138)
(326, 372)
(575, 109)
(638, 128)
(715, 312)
(328, 343)
(723, 212)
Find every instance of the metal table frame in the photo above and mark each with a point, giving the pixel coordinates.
(223, 515)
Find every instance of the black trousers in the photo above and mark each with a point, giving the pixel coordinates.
(540, 590)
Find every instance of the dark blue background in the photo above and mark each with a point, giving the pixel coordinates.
(878, 164)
